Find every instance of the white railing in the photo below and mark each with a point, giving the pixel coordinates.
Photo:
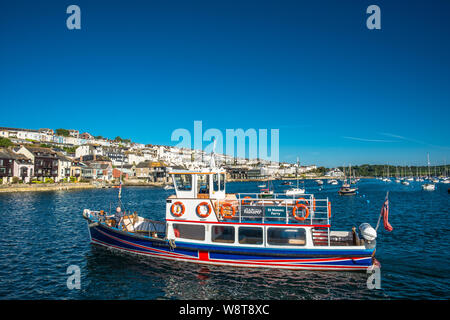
(278, 208)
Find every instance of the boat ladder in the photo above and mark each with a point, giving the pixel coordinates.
(320, 236)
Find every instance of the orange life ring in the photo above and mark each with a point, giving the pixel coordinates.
(329, 210)
(226, 216)
(203, 215)
(177, 213)
(294, 212)
(246, 202)
(307, 202)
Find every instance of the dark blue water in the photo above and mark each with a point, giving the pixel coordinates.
(43, 233)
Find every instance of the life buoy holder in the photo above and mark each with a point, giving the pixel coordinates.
(228, 205)
(298, 206)
(246, 202)
(329, 210)
(199, 212)
(179, 212)
(307, 202)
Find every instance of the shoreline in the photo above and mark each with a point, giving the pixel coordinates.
(9, 188)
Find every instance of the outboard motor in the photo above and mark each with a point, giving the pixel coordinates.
(367, 232)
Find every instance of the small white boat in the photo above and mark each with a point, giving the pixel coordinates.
(319, 182)
(446, 181)
(428, 187)
(397, 180)
(168, 187)
(333, 182)
(261, 186)
(295, 191)
(405, 183)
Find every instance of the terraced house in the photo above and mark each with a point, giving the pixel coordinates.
(6, 165)
(45, 161)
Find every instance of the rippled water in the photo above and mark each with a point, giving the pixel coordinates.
(43, 233)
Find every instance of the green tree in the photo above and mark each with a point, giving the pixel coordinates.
(5, 142)
(62, 132)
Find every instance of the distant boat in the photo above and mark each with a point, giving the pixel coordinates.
(286, 183)
(428, 187)
(168, 187)
(295, 191)
(319, 182)
(347, 190)
(406, 183)
(261, 186)
(333, 182)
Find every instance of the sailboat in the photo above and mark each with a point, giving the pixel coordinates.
(295, 191)
(346, 188)
(428, 186)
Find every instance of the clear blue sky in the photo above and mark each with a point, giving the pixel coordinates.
(338, 92)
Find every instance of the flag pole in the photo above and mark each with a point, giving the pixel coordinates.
(379, 218)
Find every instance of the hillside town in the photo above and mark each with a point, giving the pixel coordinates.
(66, 155)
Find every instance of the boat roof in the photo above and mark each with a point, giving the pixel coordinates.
(200, 171)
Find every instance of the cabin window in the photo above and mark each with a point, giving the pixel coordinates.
(286, 236)
(183, 182)
(202, 184)
(215, 178)
(250, 235)
(222, 234)
(189, 231)
(222, 181)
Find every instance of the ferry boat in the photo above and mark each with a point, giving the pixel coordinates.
(204, 224)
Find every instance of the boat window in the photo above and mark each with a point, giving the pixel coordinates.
(189, 231)
(286, 236)
(215, 178)
(183, 182)
(222, 234)
(202, 184)
(250, 235)
(222, 181)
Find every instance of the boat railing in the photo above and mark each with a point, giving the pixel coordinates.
(280, 209)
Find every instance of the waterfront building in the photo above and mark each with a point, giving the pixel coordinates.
(336, 172)
(45, 161)
(64, 164)
(153, 171)
(6, 165)
(23, 168)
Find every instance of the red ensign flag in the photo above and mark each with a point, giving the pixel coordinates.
(385, 213)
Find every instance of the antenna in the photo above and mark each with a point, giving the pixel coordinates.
(213, 152)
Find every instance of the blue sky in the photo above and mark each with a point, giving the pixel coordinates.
(338, 92)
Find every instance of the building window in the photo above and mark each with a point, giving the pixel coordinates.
(183, 182)
(286, 236)
(189, 231)
(250, 235)
(222, 234)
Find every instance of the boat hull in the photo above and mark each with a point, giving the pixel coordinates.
(306, 259)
